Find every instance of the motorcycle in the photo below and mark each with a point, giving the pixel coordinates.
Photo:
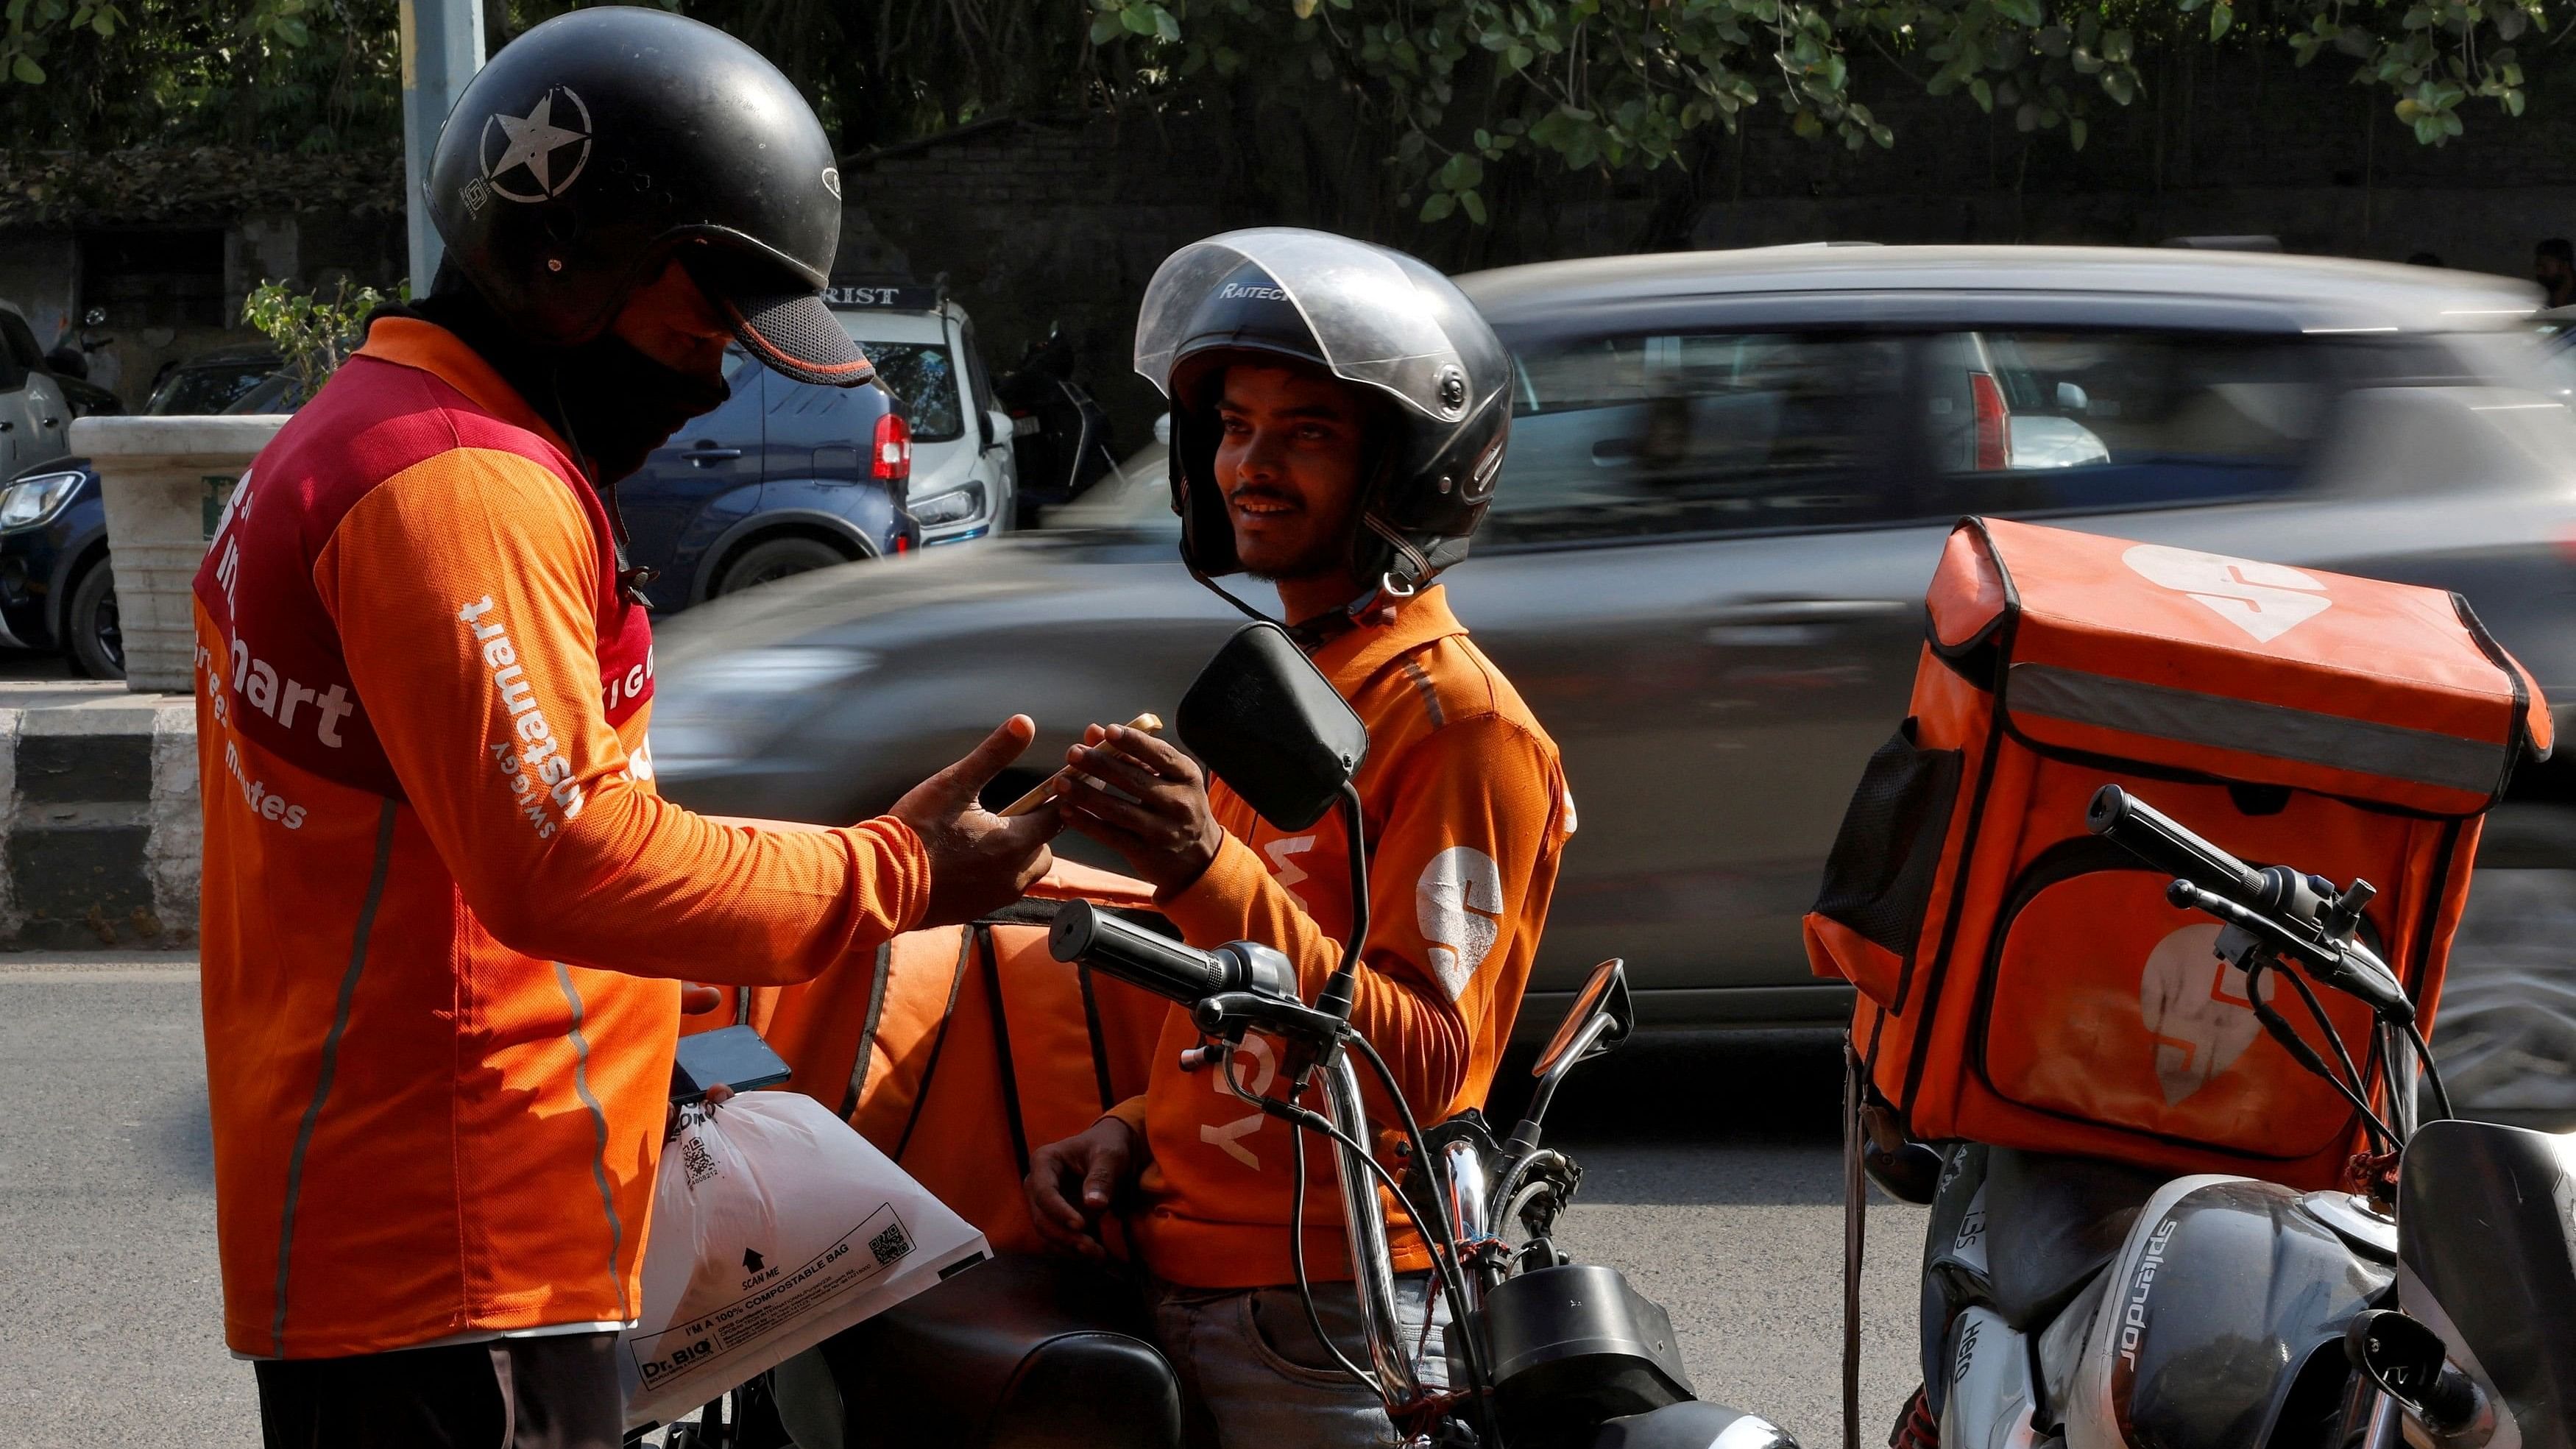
(1541, 1352)
(2078, 1304)
(1059, 434)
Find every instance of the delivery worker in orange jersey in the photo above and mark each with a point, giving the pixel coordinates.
(1338, 415)
(446, 917)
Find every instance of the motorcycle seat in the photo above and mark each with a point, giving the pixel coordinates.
(1016, 1353)
(2052, 1224)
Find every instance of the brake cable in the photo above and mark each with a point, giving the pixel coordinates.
(1451, 1289)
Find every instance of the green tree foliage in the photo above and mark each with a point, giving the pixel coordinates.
(1463, 84)
(1446, 92)
(252, 75)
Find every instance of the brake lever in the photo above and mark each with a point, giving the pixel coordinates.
(1229, 1014)
(2347, 966)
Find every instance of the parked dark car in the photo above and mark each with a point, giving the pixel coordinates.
(211, 383)
(1730, 477)
(784, 478)
(56, 591)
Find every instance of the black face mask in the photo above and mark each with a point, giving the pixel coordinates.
(618, 405)
(613, 404)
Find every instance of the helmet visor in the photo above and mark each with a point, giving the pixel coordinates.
(1380, 319)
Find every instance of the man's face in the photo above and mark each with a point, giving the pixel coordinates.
(1288, 467)
(671, 321)
(2548, 270)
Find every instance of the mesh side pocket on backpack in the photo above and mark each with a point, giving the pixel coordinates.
(1879, 876)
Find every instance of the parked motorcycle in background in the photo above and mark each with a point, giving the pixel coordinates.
(1060, 435)
(2436, 1307)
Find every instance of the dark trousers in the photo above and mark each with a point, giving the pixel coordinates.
(555, 1392)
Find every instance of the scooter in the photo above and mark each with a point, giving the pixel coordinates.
(1541, 1352)
(1059, 434)
(2076, 1304)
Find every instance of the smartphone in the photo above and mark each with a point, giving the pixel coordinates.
(735, 1057)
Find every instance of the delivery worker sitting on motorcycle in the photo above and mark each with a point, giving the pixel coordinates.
(1301, 456)
(446, 917)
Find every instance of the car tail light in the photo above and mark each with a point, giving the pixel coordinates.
(1994, 423)
(890, 458)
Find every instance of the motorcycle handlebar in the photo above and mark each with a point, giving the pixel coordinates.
(1137, 956)
(2161, 841)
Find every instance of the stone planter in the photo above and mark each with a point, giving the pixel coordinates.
(164, 481)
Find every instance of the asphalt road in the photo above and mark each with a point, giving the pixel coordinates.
(1711, 1177)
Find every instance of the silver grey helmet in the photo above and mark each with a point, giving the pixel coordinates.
(1373, 317)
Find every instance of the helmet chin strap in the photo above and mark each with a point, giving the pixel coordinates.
(1313, 633)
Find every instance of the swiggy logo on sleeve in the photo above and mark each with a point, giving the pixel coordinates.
(1458, 904)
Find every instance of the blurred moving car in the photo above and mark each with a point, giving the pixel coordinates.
(964, 480)
(1729, 480)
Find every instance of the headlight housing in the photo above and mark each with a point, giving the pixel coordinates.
(32, 502)
(716, 713)
(957, 505)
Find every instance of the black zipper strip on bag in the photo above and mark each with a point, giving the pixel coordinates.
(868, 1033)
(1099, 1038)
(938, 1044)
(1008, 1069)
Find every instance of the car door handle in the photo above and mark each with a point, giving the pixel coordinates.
(1797, 621)
(704, 456)
(53, 422)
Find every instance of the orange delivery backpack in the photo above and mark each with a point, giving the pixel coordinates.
(2023, 983)
(957, 1050)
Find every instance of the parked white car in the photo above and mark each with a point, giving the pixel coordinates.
(964, 484)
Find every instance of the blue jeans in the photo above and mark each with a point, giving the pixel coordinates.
(1251, 1358)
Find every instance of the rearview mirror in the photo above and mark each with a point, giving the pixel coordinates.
(1605, 993)
(2071, 398)
(1271, 728)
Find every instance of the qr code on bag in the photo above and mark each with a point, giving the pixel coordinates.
(696, 1160)
(891, 1244)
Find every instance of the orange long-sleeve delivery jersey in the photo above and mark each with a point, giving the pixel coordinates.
(445, 913)
(1467, 811)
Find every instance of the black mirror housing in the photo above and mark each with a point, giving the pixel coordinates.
(1265, 722)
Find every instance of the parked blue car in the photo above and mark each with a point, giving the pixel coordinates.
(56, 591)
(784, 478)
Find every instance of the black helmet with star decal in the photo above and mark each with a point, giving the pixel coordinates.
(604, 142)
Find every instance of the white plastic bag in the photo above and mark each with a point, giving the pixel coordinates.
(774, 1227)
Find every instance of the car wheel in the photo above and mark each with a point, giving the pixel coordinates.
(91, 637)
(2506, 1036)
(776, 559)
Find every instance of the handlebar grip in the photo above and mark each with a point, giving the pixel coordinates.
(1132, 954)
(2161, 841)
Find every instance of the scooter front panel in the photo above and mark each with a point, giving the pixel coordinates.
(2222, 1293)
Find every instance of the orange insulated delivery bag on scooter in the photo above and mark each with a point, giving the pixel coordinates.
(2024, 983)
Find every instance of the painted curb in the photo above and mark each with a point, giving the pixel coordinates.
(99, 826)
